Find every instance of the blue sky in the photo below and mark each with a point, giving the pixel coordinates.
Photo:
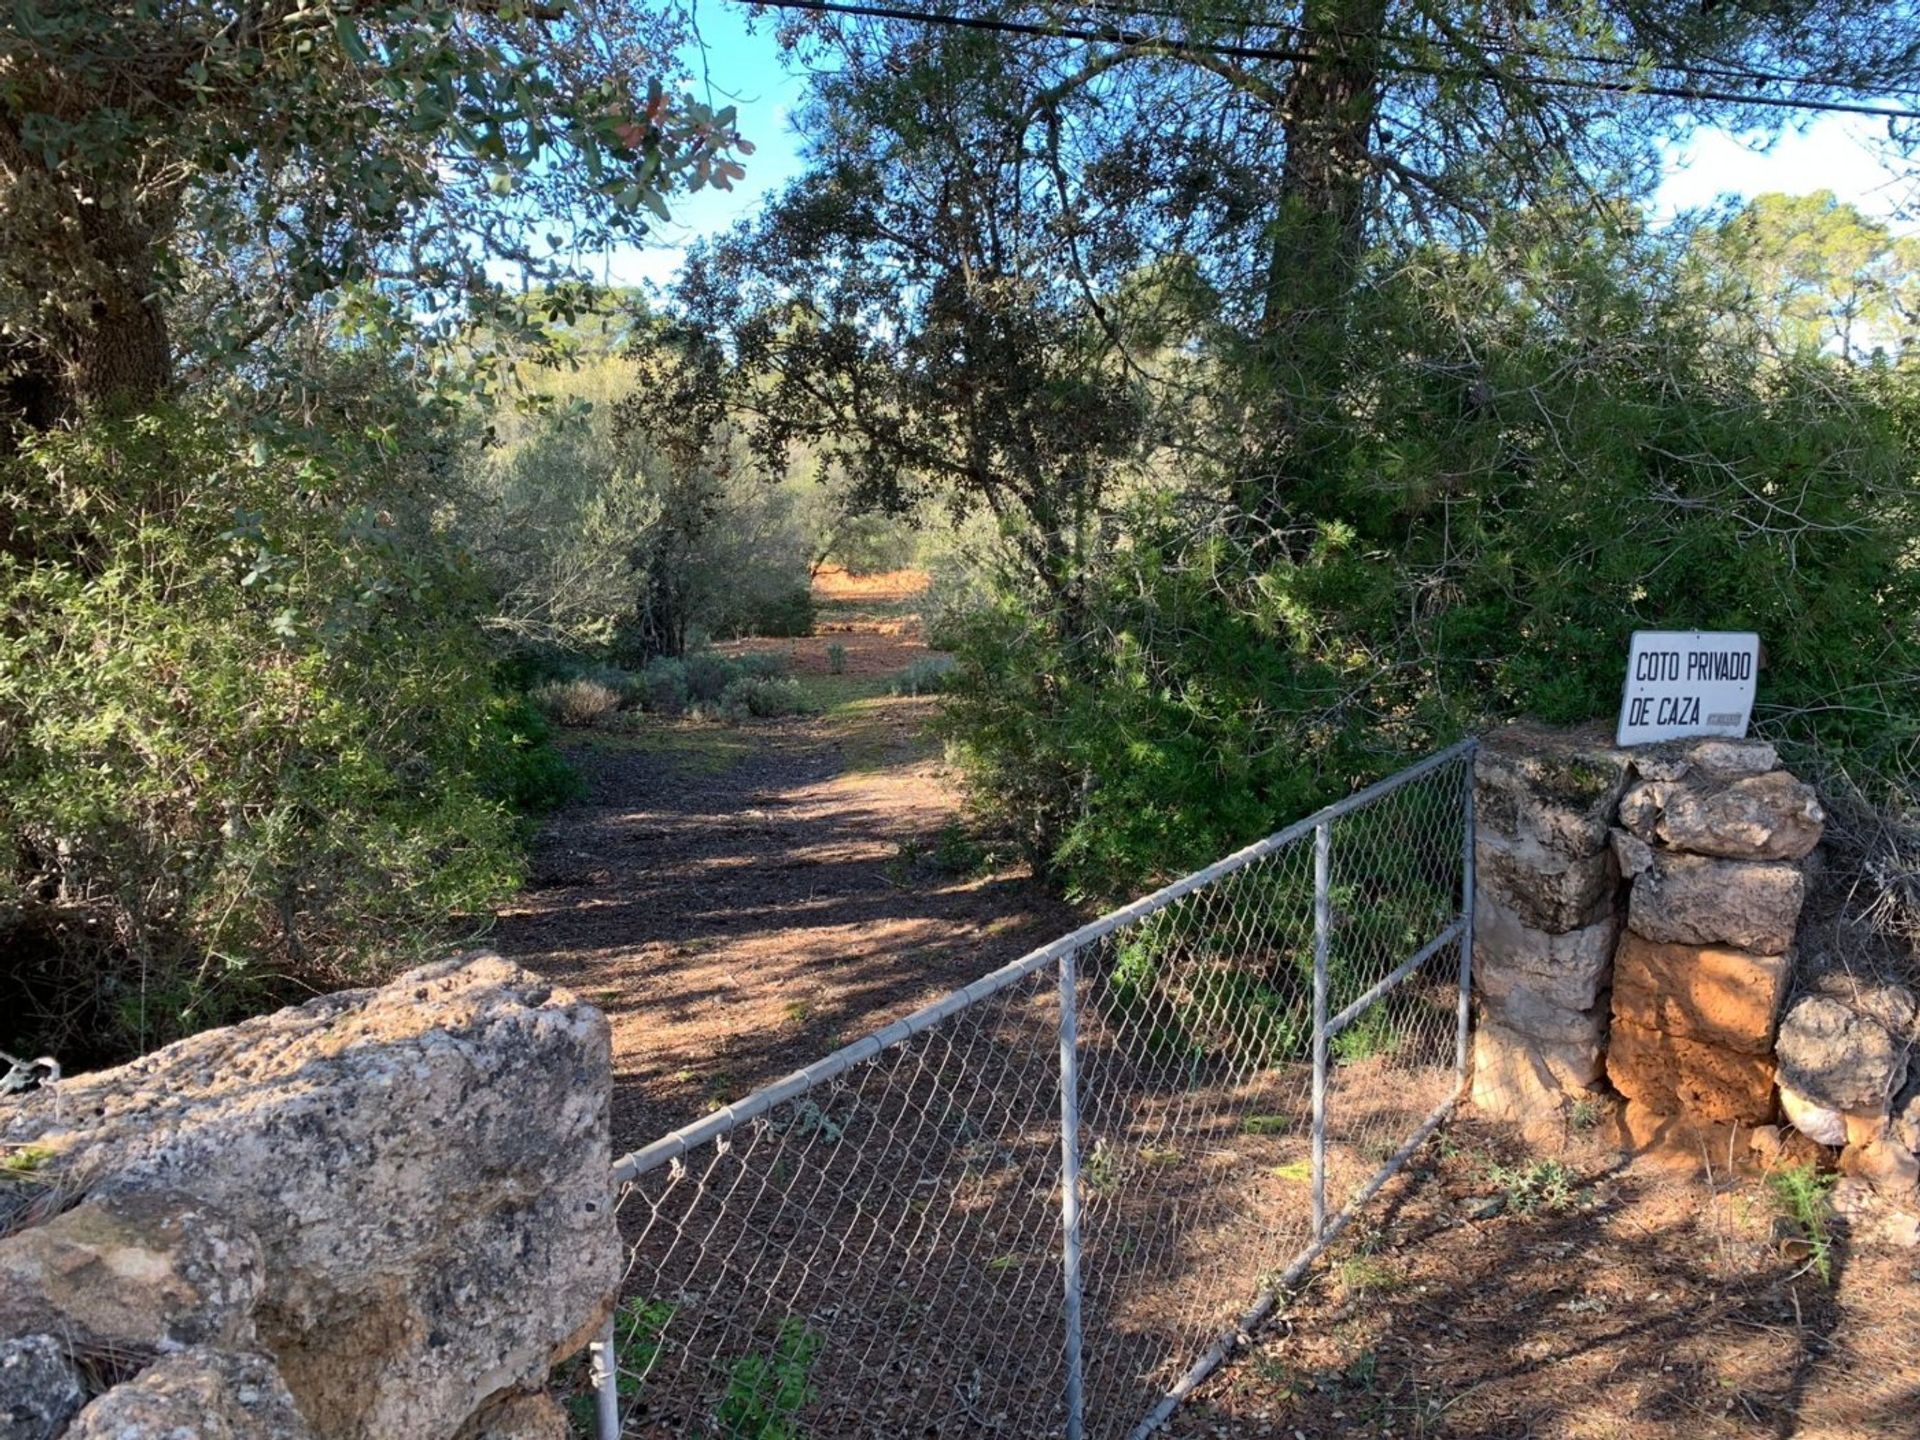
(745, 68)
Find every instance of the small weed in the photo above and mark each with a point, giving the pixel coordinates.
(836, 659)
(810, 1119)
(766, 1393)
(1368, 1275)
(1158, 1155)
(1004, 1262)
(1279, 1377)
(1540, 1185)
(639, 1328)
(1266, 1124)
(1801, 1192)
(1100, 1171)
(797, 1012)
(1584, 1114)
(1301, 1170)
(27, 1160)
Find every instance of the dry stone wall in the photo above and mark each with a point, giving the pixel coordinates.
(1635, 917)
(1711, 842)
(383, 1213)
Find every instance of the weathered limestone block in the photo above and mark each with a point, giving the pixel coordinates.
(1693, 900)
(1763, 817)
(1712, 759)
(133, 1271)
(1672, 1075)
(1702, 992)
(1522, 1079)
(527, 1416)
(1547, 889)
(425, 1168)
(1820, 1123)
(1548, 788)
(1725, 759)
(1906, 1111)
(1569, 970)
(1840, 1057)
(40, 1388)
(197, 1394)
(1885, 1164)
(1522, 1010)
(1633, 855)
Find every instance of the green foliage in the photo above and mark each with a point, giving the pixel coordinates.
(836, 659)
(780, 610)
(761, 697)
(927, 675)
(1801, 1192)
(1538, 1185)
(247, 735)
(708, 675)
(235, 166)
(664, 686)
(639, 1339)
(766, 1393)
(1476, 546)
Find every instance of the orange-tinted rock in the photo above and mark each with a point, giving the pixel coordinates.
(1700, 992)
(1672, 1075)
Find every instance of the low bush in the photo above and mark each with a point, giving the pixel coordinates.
(663, 686)
(707, 676)
(783, 613)
(761, 664)
(929, 675)
(578, 703)
(764, 698)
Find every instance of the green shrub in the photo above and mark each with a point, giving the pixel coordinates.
(248, 741)
(761, 698)
(766, 1393)
(783, 613)
(760, 664)
(531, 775)
(578, 702)
(664, 686)
(836, 659)
(928, 675)
(707, 676)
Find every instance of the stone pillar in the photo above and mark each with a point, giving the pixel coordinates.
(1547, 915)
(1710, 843)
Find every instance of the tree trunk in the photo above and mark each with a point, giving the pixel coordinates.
(1318, 241)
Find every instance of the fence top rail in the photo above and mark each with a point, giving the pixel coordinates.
(676, 1143)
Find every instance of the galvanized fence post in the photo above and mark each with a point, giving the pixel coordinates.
(1466, 921)
(1322, 942)
(606, 1383)
(1070, 1189)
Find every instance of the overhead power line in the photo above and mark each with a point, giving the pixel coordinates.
(1119, 35)
(1475, 41)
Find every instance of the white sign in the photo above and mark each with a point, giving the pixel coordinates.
(1687, 682)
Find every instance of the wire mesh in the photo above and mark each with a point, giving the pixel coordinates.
(878, 1252)
(876, 1257)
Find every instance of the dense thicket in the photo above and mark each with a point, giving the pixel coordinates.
(1327, 387)
(251, 332)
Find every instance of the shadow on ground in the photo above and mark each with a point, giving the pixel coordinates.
(1647, 1307)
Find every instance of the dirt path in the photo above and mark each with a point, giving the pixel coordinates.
(742, 900)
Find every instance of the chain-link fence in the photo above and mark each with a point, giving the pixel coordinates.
(1048, 1203)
